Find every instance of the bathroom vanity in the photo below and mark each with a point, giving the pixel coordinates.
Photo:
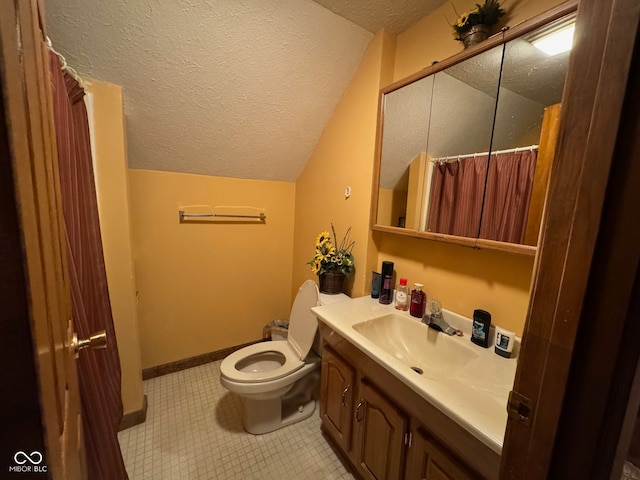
(403, 401)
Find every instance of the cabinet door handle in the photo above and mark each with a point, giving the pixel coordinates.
(359, 410)
(408, 438)
(345, 392)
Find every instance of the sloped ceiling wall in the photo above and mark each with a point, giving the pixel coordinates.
(218, 87)
(394, 15)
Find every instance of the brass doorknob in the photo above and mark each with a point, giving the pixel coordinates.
(94, 342)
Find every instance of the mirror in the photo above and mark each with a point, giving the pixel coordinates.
(404, 142)
(437, 178)
(524, 138)
(464, 103)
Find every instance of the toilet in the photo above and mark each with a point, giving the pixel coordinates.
(278, 379)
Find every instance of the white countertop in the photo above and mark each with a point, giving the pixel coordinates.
(474, 395)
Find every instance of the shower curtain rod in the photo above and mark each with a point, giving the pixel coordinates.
(64, 65)
(469, 155)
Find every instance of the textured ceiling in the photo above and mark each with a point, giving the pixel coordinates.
(238, 88)
(394, 15)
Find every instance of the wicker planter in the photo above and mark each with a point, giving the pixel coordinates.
(331, 282)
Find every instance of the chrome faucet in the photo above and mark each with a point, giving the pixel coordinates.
(435, 320)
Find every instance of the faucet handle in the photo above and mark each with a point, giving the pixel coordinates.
(435, 307)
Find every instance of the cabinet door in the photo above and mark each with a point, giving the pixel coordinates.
(427, 460)
(336, 398)
(380, 430)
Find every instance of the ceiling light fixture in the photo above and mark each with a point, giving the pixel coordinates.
(556, 41)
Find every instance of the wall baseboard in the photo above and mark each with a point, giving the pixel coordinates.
(137, 417)
(178, 365)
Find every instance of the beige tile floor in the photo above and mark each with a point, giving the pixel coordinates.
(194, 431)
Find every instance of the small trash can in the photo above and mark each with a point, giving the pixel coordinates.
(276, 330)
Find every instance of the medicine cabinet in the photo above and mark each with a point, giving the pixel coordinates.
(464, 147)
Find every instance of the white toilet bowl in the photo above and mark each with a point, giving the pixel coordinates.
(277, 379)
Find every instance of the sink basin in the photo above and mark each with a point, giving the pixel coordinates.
(424, 350)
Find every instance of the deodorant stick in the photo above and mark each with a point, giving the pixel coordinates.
(505, 339)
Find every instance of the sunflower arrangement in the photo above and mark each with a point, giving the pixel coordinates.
(486, 14)
(329, 258)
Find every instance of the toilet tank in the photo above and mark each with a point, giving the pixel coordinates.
(326, 299)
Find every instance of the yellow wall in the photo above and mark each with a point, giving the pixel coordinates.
(463, 279)
(209, 285)
(110, 167)
(343, 157)
(392, 204)
(416, 193)
(385, 206)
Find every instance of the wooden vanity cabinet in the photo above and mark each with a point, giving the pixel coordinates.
(427, 460)
(383, 433)
(379, 435)
(337, 386)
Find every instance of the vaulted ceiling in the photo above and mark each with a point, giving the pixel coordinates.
(237, 88)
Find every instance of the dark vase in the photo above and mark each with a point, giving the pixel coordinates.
(331, 282)
(475, 35)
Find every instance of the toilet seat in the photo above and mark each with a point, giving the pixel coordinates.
(291, 363)
(303, 326)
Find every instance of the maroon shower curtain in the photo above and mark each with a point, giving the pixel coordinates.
(98, 371)
(461, 205)
(455, 202)
(507, 197)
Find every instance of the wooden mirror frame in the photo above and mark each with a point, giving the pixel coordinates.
(507, 34)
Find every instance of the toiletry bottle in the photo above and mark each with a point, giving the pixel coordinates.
(387, 290)
(480, 328)
(387, 283)
(503, 344)
(402, 295)
(418, 301)
(376, 284)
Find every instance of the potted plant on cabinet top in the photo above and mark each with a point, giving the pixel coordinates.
(332, 264)
(472, 27)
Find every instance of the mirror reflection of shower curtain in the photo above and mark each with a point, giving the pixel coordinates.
(507, 196)
(455, 203)
(457, 189)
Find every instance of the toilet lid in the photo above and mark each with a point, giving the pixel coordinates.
(303, 324)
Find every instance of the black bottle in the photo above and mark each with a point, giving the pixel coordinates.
(387, 283)
(480, 328)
